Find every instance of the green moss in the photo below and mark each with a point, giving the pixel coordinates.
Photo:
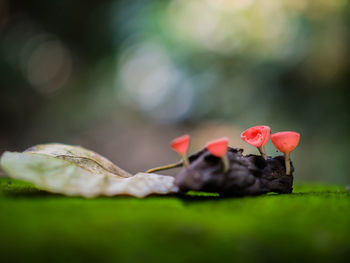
(313, 224)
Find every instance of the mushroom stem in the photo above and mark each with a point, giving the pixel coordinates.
(165, 167)
(185, 161)
(287, 162)
(226, 163)
(262, 152)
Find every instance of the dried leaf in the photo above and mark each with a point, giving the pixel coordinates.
(75, 171)
(86, 159)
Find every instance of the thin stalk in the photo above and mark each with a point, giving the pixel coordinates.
(287, 162)
(185, 161)
(165, 167)
(262, 152)
(226, 163)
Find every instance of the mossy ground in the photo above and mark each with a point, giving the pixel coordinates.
(310, 225)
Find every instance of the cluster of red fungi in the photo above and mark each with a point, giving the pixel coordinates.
(257, 136)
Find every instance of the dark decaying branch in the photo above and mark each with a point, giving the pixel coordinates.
(248, 175)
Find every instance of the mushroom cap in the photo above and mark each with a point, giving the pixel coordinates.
(218, 147)
(181, 144)
(257, 136)
(285, 141)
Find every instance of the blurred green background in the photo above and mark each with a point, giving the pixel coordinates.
(125, 77)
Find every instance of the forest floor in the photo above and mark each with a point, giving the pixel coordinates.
(310, 225)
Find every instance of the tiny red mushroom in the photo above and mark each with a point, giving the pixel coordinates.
(219, 149)
(181, 145)
(257, 136)
(286, 142)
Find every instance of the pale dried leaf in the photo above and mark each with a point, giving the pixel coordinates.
(57, 169)
(83, 157)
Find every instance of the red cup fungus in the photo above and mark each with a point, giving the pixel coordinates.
(181, 145)
(286, 142)
(257, 136)
(219, 149)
